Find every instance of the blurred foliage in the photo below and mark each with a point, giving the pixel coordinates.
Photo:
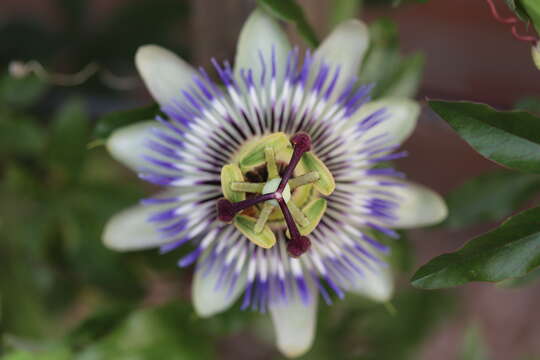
(117, 119)
(532, 9)
(393, 2)
(384, 66)
(489, 197)
(290, 11)
(473, 347)
(343, 10)
(56, 197)
(360, 330)
(530, 104)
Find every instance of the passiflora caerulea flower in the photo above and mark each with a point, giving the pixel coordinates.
(272, 176)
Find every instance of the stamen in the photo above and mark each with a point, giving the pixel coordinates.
(227, 210)
(247, 187)
(297, 214)
(267, 209)
(271, 165)
(308, 178)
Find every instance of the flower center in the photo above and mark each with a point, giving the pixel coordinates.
(272, 185)
(290, 199)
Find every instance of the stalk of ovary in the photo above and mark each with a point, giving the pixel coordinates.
(298, 244)
(302, 144)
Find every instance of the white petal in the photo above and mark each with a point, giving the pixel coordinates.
(535, 50)
(164, 73)
(259, 34)
(377, 284)
(419, 206)
(127, 144)
(208, 300)
(130, 230)
(294, 324)
(401, 115)
(345, 47)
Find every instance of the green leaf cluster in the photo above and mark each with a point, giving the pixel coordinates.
(512, 250)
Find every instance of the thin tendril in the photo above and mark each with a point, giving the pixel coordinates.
(513, 21)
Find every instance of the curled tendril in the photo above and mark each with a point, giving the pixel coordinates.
(512, 21)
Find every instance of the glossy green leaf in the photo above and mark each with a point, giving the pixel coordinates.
(489, 197)
(290, 11)
(511, 250)
(246, 225)
(231, 173)
(326, 183)
(115, 120)
(511, 139)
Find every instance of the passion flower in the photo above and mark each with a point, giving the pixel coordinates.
(274, 177)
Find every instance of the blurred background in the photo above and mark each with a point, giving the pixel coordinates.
(64, 296)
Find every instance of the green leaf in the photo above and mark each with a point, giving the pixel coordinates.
(20, 135)
(343, 10)
(489, 197)
(516, 7)
(290, 11)
(167, 332)
(404, 80)
(98, 325)
(68, 137)
(532, 8)
(112, 121)
(50, 353)
(521, 281)
(512, 250)
(511, 139)
(383, 54)
(21, 92)
(84, 212)
(529, 104)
